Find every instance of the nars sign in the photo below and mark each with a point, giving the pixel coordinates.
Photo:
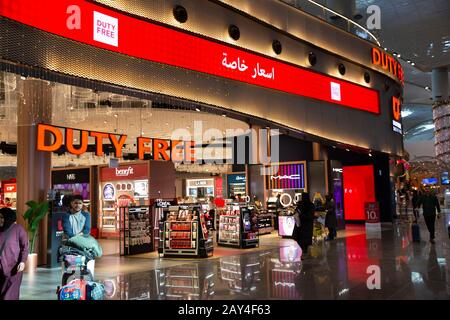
(71, 177)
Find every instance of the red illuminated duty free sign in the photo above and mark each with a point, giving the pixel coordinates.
(160, 149)
(98, 26)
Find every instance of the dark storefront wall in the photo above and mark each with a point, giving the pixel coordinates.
(381, 173)
(319, 118)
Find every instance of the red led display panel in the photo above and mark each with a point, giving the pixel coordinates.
(359, 187)
(95, 25)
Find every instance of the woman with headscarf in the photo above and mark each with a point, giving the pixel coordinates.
(13, 254)
(305, 209)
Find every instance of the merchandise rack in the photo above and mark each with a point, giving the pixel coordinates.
(265, 223)
(185, 237)
(237, 223)
(135, 230)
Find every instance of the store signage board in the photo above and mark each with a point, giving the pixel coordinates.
(160, 203)
(388, 62)
(98, 26)
(9, 188)
(158, 149)
(71, 176)
(396, 115)
(236, 179)
(372, 210)
(126, 172)
(288, 176)
(200, 183)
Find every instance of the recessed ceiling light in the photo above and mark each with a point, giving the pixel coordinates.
(413, 64)
(224, 115)
(197, 109)
(116, 115)
(105, 122)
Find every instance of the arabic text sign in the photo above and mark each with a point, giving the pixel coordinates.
(145, 40)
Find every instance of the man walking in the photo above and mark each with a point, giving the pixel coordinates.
(430, 204)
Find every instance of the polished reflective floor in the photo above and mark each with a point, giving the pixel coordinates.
(357, 265)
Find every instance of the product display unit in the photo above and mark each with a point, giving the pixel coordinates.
(135, 230)
(119, 194)
(265, 222)
(184, 232)
(286, 222)
(238, 226)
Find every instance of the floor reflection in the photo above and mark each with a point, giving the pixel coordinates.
(385, 264)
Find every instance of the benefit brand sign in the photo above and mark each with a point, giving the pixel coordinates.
(98, 26)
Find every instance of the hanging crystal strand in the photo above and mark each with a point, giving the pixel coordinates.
(441, 118)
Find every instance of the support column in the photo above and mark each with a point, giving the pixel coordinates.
(33, 168)
(441, 113)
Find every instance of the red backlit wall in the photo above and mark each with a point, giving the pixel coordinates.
(359, 187)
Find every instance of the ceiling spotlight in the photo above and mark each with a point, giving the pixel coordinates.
(385, 49)
(347, 149)
(427, 88)
(409, 61)
(105, 122)
(413, 64)
(22, 78)
(224, 115)
(370, 154)
(197, 109)
(399, 55)
(116, 115)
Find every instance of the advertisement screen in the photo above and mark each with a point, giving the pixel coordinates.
(359, 188)
(141, 189)
(444, 178)
(286, 225)
(430, 181)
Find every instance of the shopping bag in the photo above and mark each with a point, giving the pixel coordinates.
(95, 291)
(74, 290)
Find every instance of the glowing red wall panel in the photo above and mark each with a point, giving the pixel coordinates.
(149, 41)
(359, 187)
